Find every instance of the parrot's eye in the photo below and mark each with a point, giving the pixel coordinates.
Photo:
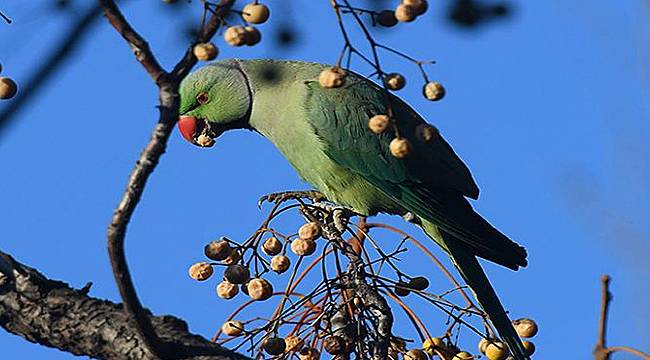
(202, 98)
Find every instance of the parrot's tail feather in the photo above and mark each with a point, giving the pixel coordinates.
(475, 277)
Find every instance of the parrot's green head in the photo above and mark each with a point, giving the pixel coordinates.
(214, 99)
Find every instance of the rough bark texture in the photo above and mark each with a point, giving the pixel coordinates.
(53, 314)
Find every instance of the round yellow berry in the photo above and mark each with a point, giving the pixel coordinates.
(227, 290)
(526, 328)
(256, 13)
(400, 148)
(272, 246)
(8, 88)
(280, 263)
(415, 354)
(394, 81)
(232, 328)
(309, 231)
(235, 35)
(332, 78)
(463, 355)
(433, 91)
(205, 51)
(379, 123)
(419, 6)
(260, 289)
(496, 350)
(302, 247)
(529, 347)
(405, 13)
(201, 271)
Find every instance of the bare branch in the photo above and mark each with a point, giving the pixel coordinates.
(53, 314)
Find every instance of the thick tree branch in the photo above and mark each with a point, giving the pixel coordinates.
(169, 102)
(53, 314)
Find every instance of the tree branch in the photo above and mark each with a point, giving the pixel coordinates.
(53, 314)
(168, 106)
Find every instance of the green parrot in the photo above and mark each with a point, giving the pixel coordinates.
(324, 134)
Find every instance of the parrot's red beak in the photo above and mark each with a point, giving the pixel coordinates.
(196, 131)
(188, 126)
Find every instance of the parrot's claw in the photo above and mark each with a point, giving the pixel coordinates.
(340, 215)
(283, 196)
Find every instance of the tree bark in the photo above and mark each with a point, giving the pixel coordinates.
(51, 313)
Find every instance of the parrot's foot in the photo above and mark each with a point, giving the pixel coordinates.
(340, 215)
(279, 197)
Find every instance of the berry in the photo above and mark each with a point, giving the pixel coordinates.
(217, 250)
(309, 231)
(332, 77)
(308, 354)
(432, 343)
(293, 343)
(237, 274)
(233, 258)
(253, 36)
(526, 328)
(256, 13)
(433, 91)
(401, 289)
(205, 51)
(463, 355)
(204, 141)
(274, 345)
(386, 18)
(334, 345)
(529, 347)
(415, 354)
(496, 351)
(394, 81)
(400, 148)
(280, 263)
(260, 289)
(272, 246)
(201, 271)
(404, 13)
(235, 35)
(226, 290)
(232, 328)
(8, 88)
(379, 123)
(419, 283)
(419, 6)
(303, 247)
(425, 132)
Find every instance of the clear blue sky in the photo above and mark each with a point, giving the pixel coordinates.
(548, 108)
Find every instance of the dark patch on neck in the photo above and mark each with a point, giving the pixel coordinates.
(244, 122)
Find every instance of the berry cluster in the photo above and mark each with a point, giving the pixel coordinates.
(336, 315)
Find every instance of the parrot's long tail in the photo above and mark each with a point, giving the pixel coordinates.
(475, 277)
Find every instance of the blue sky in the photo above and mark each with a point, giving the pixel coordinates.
(549, 109)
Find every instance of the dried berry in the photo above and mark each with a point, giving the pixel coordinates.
(529, 347)
(260, 289)
(8, 88)
(201, 271)
(253, 36)
(205, 51)
(309, 231)
(280, 263)
(308, 354)
(256, 13)
(233, 258)
(332, 78)
(419, 6)
(217, 250)
(272, 246)
(433, 91)
(334, 345)
(274, 345)
(405, 13)
(232, 328)
(379, 123)
(394, 81)
(425, 132)
(526, 328)
(235, 35)
(204, 141)
(463, 355)
(401, 289)
(432, 343)
(237, 274)
(415, 354)
(400, 147)
(386, 18)
(303, 247)
(419, 283)
(496, 350)
(227, 290)
(293, 343)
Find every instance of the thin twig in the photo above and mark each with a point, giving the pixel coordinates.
(599, 352)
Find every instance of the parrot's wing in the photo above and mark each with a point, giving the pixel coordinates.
(430, 182)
